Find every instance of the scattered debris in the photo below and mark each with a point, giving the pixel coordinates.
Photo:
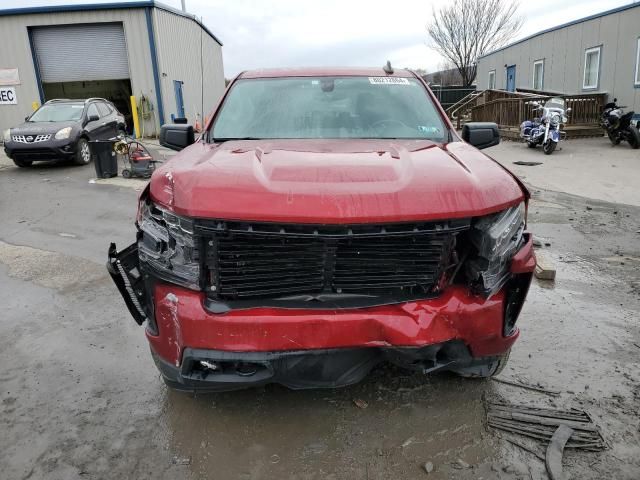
(275, 458)
(181, 460)
(67, 235)
(534, 388)
(635, 344)
(545, 270)
(539, 242)
(525, 448)
(527, 164)
(358, 402)
(428, 467)
(407, 442)
(541, 423)
(554, 452)
(461, 464)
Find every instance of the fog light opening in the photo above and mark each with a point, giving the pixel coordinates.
(210, 366)
(246, 369)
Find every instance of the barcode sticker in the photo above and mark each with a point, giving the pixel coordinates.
(388, 81)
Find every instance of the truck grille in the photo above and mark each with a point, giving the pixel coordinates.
(245, 261)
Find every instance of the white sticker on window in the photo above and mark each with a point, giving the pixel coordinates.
(388, 81)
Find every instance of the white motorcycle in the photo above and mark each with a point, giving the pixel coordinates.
(546, 130)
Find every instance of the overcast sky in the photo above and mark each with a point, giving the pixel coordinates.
(280, 33)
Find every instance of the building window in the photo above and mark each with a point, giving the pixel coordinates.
(538, 74)
(492, 80)
(591, 67)
(637, 80)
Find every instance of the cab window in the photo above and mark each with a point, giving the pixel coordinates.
(103, 109)
(92, 110)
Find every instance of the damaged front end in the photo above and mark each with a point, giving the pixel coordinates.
(232, 304)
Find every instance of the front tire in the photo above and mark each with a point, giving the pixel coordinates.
(633, 136)
(614, 139)
(487, 370)
(83, 153)
(23, 163)
(548, 147)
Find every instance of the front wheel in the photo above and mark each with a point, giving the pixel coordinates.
(23, 163)
(615, 139)
(486, 370)
(633, 136)
(83, 154)
(548, 147)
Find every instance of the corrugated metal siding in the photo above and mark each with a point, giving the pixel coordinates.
(16, 53)
(188, 54)
(563, 51)
(70, 53)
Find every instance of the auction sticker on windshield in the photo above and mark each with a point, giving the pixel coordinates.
(388, 81)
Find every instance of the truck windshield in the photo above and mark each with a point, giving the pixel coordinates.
(58, 113)
(328, 107)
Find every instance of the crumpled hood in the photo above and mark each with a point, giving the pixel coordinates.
(40, 128)
(333, 181)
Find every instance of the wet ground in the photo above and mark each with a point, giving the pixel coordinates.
(81, 399)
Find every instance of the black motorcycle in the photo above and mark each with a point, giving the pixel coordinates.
(618, 126)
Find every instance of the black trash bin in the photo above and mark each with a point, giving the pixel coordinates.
(104, 158)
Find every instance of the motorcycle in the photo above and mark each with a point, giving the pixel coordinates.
(546, 130)
(618, 126)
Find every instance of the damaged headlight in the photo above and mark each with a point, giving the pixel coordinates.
(497, 238)
(167, 245)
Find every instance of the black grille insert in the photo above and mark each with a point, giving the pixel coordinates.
(245, 261)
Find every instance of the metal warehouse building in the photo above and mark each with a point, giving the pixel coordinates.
(166, 58)
(597, 54)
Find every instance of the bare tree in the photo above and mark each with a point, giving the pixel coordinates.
(448, 74)
(466, 29)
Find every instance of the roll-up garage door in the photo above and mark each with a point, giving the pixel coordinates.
(72, 53)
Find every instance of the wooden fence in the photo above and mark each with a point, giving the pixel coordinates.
(509, 109)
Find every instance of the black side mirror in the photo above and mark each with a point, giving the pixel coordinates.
(93, 118)
(176, 136)
(481, 134)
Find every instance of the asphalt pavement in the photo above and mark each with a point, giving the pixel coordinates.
(81, 398)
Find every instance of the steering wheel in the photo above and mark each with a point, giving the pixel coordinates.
(389, 121)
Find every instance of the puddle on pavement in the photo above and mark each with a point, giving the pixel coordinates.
(273, 432)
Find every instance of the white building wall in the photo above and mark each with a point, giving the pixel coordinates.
(16, 53)
(187, 53)
(563, 52)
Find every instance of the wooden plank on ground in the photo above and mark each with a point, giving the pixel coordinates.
(545, 269)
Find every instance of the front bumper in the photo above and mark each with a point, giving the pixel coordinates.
(220, 370)
(312, 347)
(49, 150)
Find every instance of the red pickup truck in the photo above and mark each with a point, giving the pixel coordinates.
(327, 220)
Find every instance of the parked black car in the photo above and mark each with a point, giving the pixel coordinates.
(61, 129)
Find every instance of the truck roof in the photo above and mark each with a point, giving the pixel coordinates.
(325, 72)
